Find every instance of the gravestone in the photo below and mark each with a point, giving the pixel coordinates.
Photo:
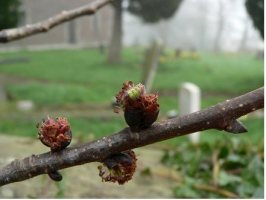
(189, 102)
(25, 105)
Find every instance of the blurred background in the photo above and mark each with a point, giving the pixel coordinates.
(194, 53)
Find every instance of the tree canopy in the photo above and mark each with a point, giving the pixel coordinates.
(10, 13)
(151, 11)
(255, 9)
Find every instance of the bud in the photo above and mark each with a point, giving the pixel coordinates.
(55, 134)
(118, 167)
(55, 176)
(140, 109)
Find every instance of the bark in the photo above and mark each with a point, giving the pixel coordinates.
(218, 37)
(115, 46)
(44, 26)
(221, 117)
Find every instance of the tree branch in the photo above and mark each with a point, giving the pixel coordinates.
(221, 116)
(44, 26)
(211, 188)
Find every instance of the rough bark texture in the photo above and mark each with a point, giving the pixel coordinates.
(44, 26)
(221, 117)
(115, 46)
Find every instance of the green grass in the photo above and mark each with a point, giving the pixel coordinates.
(82, 76)
(231, 73)
(98, 127)
(78, 66)
(60, 94)
(62, 77)
(214, 73)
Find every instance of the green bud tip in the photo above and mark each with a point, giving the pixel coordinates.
(134, 92)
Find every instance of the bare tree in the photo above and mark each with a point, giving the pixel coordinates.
(115, 46)
(203, 24)
(220, 24)
(244, 38)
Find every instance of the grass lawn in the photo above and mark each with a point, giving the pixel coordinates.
(74, 77)
(228, 73)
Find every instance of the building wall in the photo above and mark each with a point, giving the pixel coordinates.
(86, 31)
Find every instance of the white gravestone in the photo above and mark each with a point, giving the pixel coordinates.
(189, 102)
(25, 105)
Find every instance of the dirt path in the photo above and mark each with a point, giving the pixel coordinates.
(83, 181)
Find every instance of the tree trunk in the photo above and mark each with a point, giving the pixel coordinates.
(115, 46)
(243, 41)
(72, 32)
(203, 25)
(151, 64)
(217, 40)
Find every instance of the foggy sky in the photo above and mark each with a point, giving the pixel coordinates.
(195, 26)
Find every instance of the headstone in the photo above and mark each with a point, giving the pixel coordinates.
(25, 105)
(189, 102)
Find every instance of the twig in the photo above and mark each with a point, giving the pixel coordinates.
(221, 116)
(214, 189)
(216, 167)
(44, 26)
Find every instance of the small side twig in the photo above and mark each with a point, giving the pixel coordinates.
(216, 167)
(217, 190)
(44, 26)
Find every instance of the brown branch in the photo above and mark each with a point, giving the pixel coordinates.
(221, 116)
(211, 188)
(44, 26)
